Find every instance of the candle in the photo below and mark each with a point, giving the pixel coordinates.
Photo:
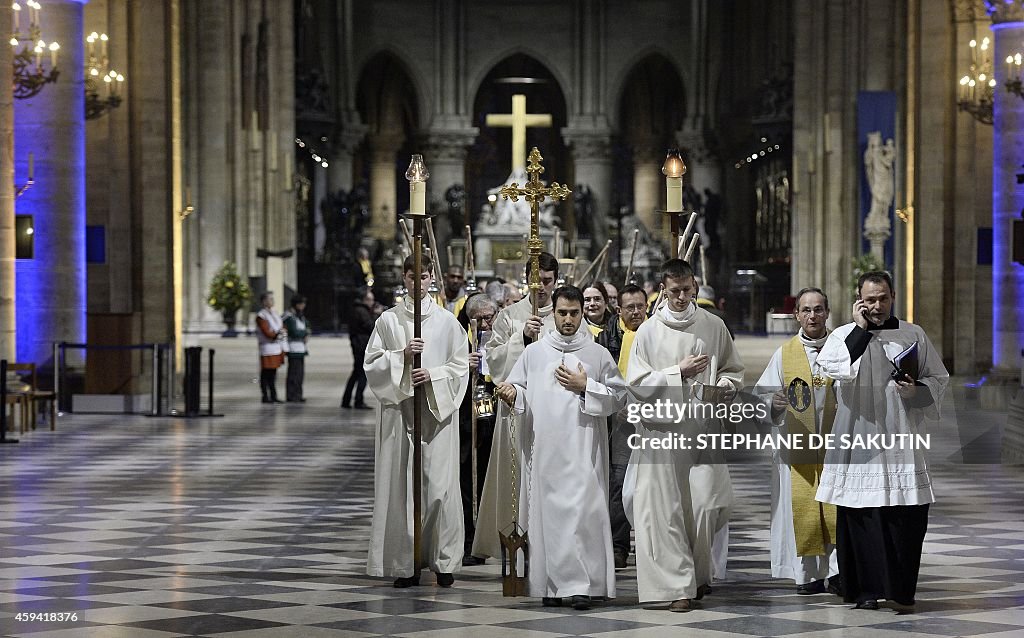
(673, 169)
(689, 227)
(54, 47)
(17, 16)
(704, 266)
(693, 244)
(417, 175)
(103, 45)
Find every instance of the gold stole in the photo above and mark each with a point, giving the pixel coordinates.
(627, 344)
(814, 523)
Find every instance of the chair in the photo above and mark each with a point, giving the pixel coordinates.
(16, 400)
(34, 396)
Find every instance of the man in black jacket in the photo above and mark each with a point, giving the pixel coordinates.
(360, 326)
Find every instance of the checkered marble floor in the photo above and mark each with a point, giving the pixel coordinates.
(256, 525)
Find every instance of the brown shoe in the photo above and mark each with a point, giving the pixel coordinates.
(681, 605)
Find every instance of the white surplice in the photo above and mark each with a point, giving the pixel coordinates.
(504, 347)
(869, 404)
(785, 561)
(565, 484)
(679, 500)
(389, 376)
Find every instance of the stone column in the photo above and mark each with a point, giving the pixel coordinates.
(51, 286)
(339, 175)
(383, 185)
(648, 183)
(444, 152)
(592, 157)
(1007, 195)
(8, 299)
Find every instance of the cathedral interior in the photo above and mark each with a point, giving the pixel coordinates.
(154, 150)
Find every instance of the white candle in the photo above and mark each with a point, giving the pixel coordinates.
(417, 198)
(704, 266)
(693, 244)
(674, 194)
(17, 16)
(689, 227)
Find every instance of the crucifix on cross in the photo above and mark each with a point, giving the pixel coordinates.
(519, 120)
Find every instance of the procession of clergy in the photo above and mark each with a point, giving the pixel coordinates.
(842, 521)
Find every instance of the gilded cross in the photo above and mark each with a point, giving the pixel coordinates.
(535, 193)
(519, 120)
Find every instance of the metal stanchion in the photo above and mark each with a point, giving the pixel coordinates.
(3, 404)
(209, 382)
(154, 390)
(56, 378)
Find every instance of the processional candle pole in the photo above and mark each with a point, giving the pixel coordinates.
(417, 175)
(673, 169)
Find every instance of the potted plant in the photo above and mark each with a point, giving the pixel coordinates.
(867, 262)
(228, 293)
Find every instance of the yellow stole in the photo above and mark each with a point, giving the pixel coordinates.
(814, 523)
(627, 344)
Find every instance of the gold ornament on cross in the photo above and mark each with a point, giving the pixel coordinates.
(535, 193)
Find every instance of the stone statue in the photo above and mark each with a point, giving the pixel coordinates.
(879, 167)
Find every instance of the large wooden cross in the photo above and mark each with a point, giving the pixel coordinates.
(519, 120)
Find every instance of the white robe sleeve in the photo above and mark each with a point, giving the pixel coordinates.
(771, 382)
(518, 378)
(933, 375)
(384, 363)
(448, 381)
(835, 358)
(504, 347)
(607, 396)
(730, 367)
(648, 385)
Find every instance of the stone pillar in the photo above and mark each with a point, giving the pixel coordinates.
(1007, 195)
(444, 152)
(648, 183)
(51, 286)
(340, 175)
(592, 157)
(383, 185)
(8, 299)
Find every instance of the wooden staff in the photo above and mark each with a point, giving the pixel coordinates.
(632, 254)
(408, 237)
(417, 413)
(597, 259)
(470, 266)
(693, 244)
(437, 265)
(474, 345)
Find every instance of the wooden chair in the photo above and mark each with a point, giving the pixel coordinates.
(34, 396)
(18, 403)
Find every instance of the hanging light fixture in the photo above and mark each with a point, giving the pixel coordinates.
(102, 84)
(31, 73)
(977, 88)
(1014, 78)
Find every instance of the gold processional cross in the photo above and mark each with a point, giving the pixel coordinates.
(519, 120)
(535, 193)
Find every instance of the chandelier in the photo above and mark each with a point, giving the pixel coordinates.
(977, 88)
(1013, 75)
(30, 74)
(102, 84)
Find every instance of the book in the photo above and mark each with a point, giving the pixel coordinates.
(907, 363)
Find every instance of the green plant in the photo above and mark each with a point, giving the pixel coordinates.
(867, 262)
(228, 293)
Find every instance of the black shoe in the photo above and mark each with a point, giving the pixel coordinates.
(620, 560)
(581, 603)
(445, 580)
(867, 604)
(363, 406)
(835, 586)
(470, 560)
(551, 602)
(265, 400)
(811, 588)
(407, 581)
(346, 406)
(703, 591)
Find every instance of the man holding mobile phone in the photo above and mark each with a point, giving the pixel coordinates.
(881, 494)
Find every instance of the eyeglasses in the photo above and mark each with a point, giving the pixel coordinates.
(636, 307)
(485, 318)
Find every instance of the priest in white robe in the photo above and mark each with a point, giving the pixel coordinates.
(881, 495)
(443, 377)
(801, 402)
(679, 499)
(514, 328)
(569, 385)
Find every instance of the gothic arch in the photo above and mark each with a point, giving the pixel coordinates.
(645, 60)
(652, 99)
(485, 69)
(386, 82)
